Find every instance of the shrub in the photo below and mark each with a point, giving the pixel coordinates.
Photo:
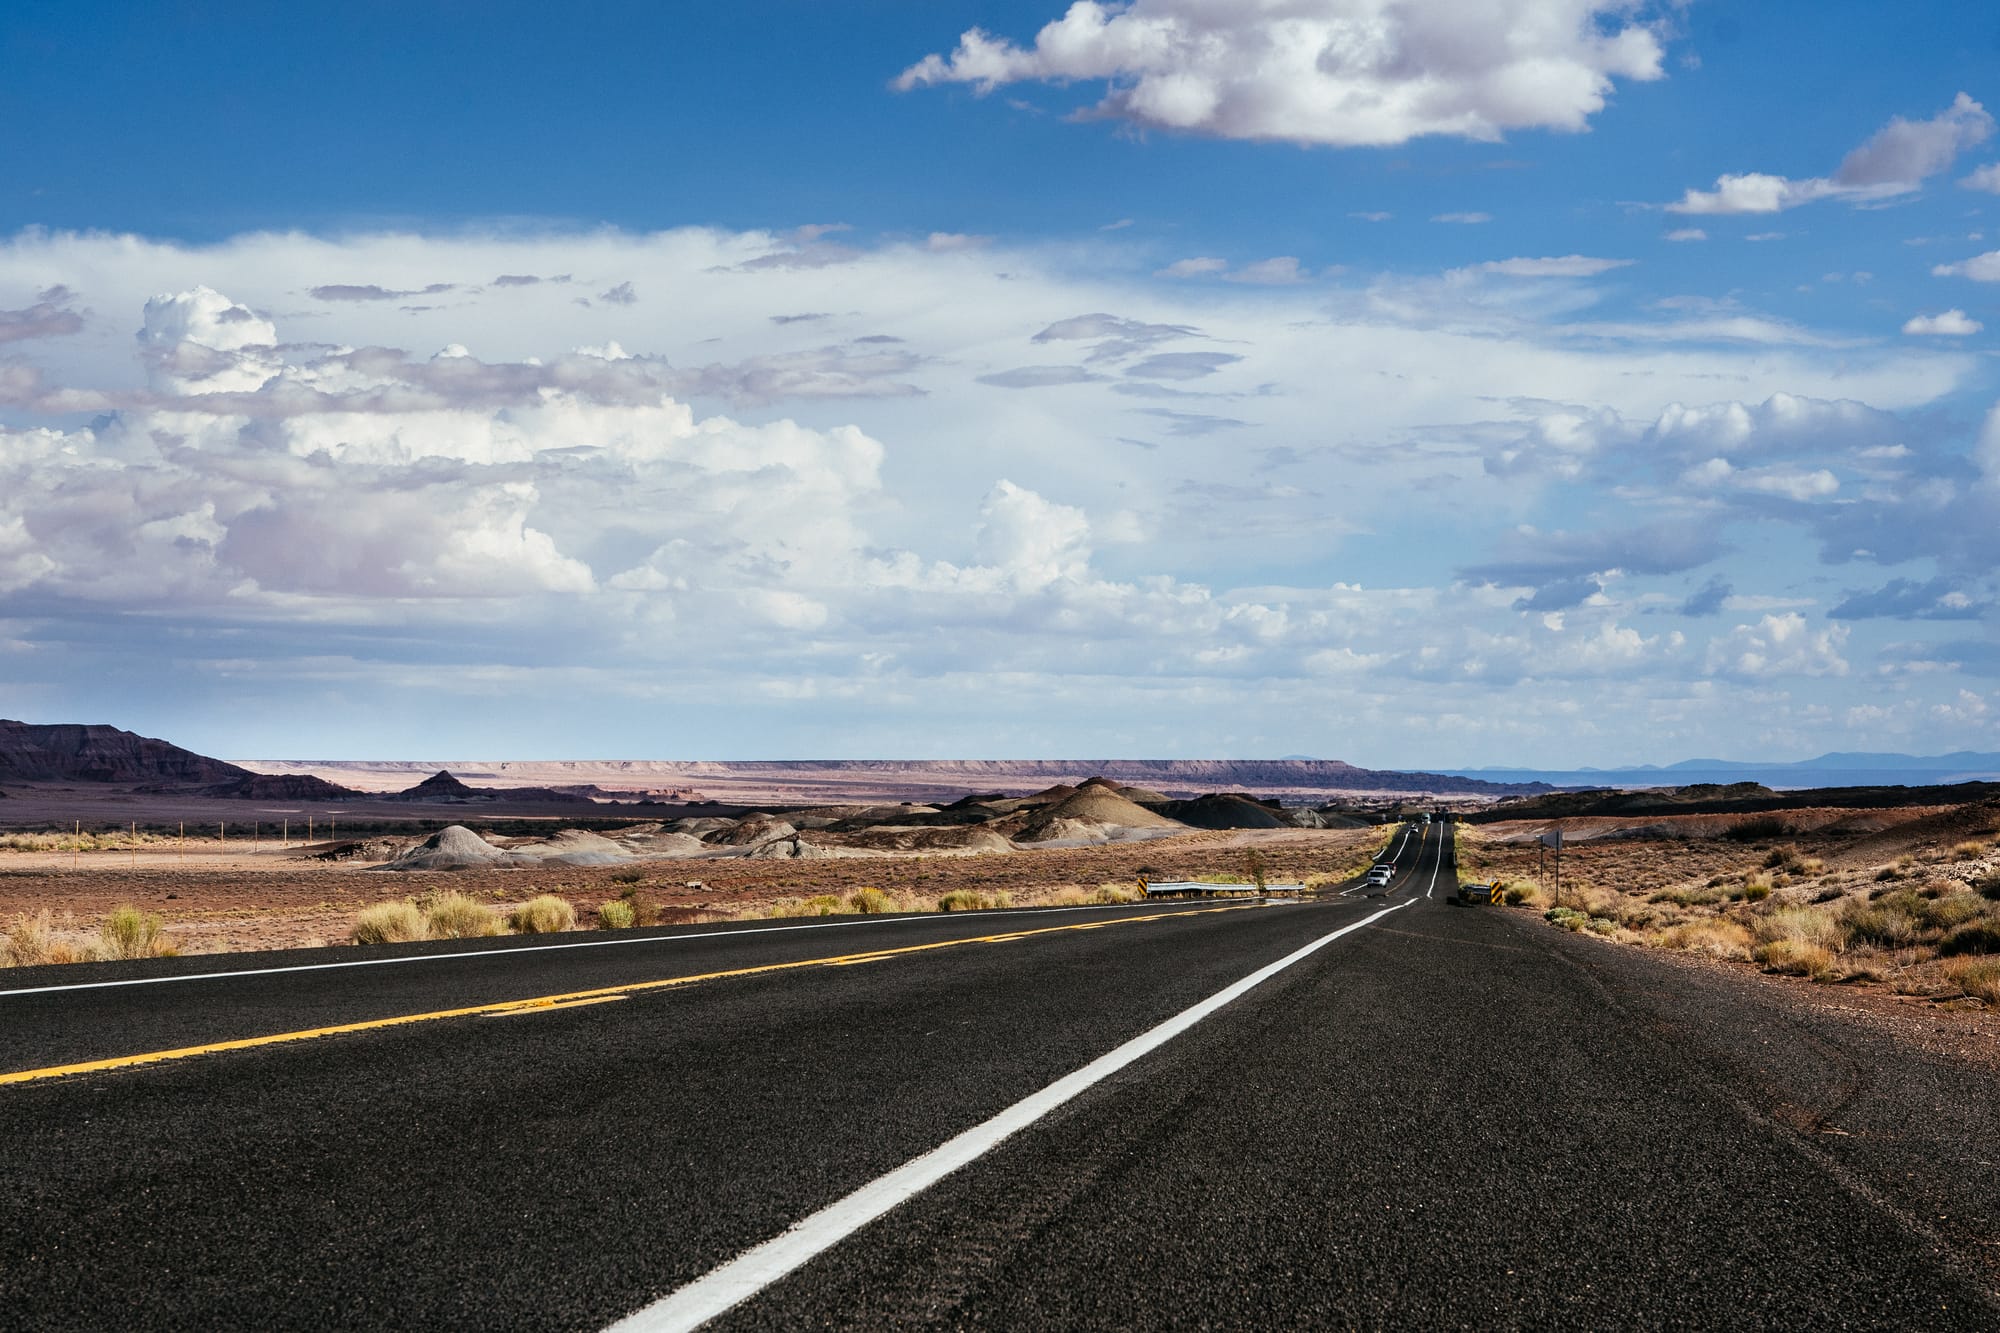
(1712, 936)
(1516, 893)
(964, 900)
(1975, 937)
(544, 914)
(871, 902)
(388, 923)
(455, 916)
(1953, 909)
(1757, 829)
(1977, 977)
(1115, 893)
(627, 877)
(1757, 888)
(1798, 958)
(131, 933)
(1706, 896)
(1892, 921)
(1988, 886)
(616, 915)
(822, 904)
(1969, 851)
(37, 940)
(1816, 926)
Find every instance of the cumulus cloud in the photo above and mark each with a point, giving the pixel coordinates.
(49, 317)
(1199, 266)
(1907, 599)
(1333, 72)
(1900, 157)
(1986, 178)
(1946, 324)
(1528, 558)
(1980, 268)
(1778, 646)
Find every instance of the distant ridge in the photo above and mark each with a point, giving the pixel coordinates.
(72, 752)
(1835, 769)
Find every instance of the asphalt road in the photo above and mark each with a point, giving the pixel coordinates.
(1446, 1116)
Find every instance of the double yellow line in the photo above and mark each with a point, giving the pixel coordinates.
(571, 999)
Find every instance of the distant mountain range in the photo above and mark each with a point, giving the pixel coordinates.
(1835, 769)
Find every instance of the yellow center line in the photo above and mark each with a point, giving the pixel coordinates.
(571, 999)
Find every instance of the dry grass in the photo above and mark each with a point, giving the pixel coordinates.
(544, 914)
(39, 940)
(618, 914)
(454, 916)
(131, 933)
(867, 901)
(1977, 977)
(389, 923)
(1799, 958)
(1714, 937)
(965, 900)
(1109, 893)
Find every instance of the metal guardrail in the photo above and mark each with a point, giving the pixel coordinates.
(1161, 887)
(1480, 893)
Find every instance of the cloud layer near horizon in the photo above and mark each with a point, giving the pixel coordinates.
(746, 467)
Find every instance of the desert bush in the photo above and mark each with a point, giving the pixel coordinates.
(455, 916)
(1817, 926)
(616, 915)
(1707, 896)
(1798, 958)
(1888, 875)
(544, 914)
(37, 940)
(871, 902)
(1809, 867)
(131, 933)
(1974, 937)
(1757, 829)
(1977, 977)
(1713, 936)
(1988, 886)
(1969, 851)
(1115, 893)
(1892, 920)
(1953, 909)
(1756, 888)
(964, 900)
(822, 904)
(388, 923)
(1070, 895)
(1522, 892)
(627, 877)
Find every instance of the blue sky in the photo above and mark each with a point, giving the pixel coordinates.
(1416, 382)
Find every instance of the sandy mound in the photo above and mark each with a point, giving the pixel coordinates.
(934, 840)
(573, 847)
(453, 848)
(700, 826)
(1144, 795)
(661, 844)
(1226, 810)
(1093, 805)
(751, 830)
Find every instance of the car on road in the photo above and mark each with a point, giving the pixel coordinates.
(1381, 874)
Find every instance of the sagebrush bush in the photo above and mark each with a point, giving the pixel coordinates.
(1115, 893)
(388, 923)
(1798, 958)
(454, 916)
(131, 933)
(964, 900)
(1977, 977)
(1974, 937)
(544, 914)
(616, 914)
(871, 902)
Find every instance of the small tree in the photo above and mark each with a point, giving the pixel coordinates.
(1253, 863)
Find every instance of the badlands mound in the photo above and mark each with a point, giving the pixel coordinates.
(1095, 814)
(453, 848)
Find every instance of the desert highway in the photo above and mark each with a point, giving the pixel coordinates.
(1380, 1111)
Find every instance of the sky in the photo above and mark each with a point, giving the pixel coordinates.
(1420, 383)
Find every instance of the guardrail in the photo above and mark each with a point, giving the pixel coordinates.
(1480, 893)
(1162, 887)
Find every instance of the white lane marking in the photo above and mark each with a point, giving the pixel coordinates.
(755, 1269)
(547, 948)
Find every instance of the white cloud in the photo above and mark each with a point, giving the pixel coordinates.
(1980, 268)
(1986, 178)
(1279, 271)
(1339, 72)
(1778, 646)
(1949, 324)
(1900, 157)
(1196, 267)
(1566, 266)
(1687, 234)
(1463, 219)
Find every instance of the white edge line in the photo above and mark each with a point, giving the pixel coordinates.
(755, 1269)
(578, 944)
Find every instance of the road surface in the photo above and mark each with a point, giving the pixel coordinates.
(1383, 1111)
